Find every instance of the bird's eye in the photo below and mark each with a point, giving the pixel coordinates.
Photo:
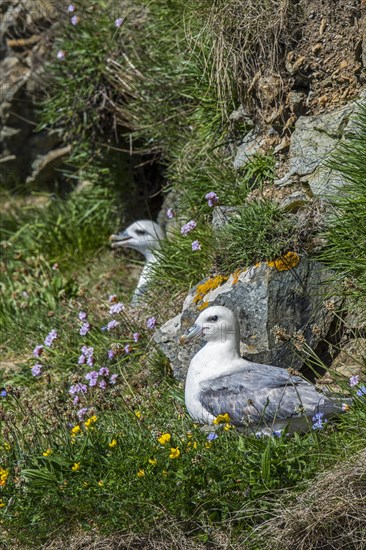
(213, 318)
(140, 231)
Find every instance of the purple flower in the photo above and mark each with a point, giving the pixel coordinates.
(211, 198)
(90, 361)
(212, 436)
(104, 371)
(82, 315)
(111, 354)
(354, 380)
(136, 337)
(78, 388)
(118, 22)
(38, 350)
(51, 336)
(60, 55)
(112, 298)
(74, 20)
(81, 360)
(82, 412)
(189, 226)
(87, 350)
(151, 322)
(70, 8)
(277, 433)
(92, 377)
(116, 308)
(127, 348)
(170, 213)
(37, 370)
(318, 422)
(112, 324)
(196, 245)
(361, 391)
(102, 384)
(85, 327)
(113, 378)
(76, 400)
(3, 393)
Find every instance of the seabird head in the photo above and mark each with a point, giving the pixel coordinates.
(143, 235)
(214, 324)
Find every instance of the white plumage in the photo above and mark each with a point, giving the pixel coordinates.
(260, 397)
(145, 237)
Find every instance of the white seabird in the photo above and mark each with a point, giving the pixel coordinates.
(144, 236)
(259, 397)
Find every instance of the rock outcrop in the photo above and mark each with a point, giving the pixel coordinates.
(274, 302)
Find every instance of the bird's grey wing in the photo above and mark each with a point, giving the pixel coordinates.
(254, 397)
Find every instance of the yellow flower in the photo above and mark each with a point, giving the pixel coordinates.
(164, 473)
(228, 426)
(189, 435)
(7, 447)
(141, 473)
(2, 504)
(113, 443)
(208, 444)
(90, 421)
(4, 474)
(174, 453)
(152, 461)
(75, 430)
(47, 453)
(138, 414)
(164, 438)
(100, 483)
(220, 418)
(75, 467)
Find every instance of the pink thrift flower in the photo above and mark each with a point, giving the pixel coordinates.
(61, 56)
(136, 337)
(112, 298)
(37, 370)
(76, 400)
(74, 20)
(170, 213)
(104, 371)
(189, 226)
(102, 384)
(127, 348)
(151, 323)
(51, 336)
(211, 198)
(38, 350)
(116, 308)
(70, 8)
(82, 315)
(118, 22)
(113, 378)
(354, 380)
(84, 329)
(112, 325)
(111, 354)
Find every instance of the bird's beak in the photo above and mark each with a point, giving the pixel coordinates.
(119, 239)
(193, 332)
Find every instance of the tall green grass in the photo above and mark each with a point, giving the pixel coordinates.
(346, 233)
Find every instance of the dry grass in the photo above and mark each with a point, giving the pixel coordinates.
(330, 514)
(247, 39)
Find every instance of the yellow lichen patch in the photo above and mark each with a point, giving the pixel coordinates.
(236, 275)
(203, 306)
(207, 286)
(286, 262)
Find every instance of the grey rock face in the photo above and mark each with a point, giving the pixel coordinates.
(263, 298)
(312, 141)
(250, 146)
